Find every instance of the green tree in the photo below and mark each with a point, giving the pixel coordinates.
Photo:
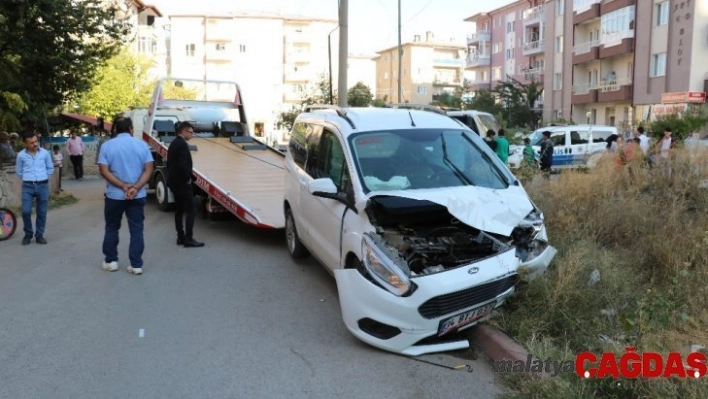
(380, 102)
(682, 125)
(317, 94)
(517, 100)
(50, 49)
(359, 95)
(484, 101)
(118, 85)
(11, 105)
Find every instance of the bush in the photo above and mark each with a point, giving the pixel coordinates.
(646, 233)
(682, 125)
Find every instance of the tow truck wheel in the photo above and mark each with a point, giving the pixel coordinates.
(161, 194)
(295, 247)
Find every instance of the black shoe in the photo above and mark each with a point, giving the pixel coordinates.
(193, 244)
(40, 240)
(180, 241)
(27, 240)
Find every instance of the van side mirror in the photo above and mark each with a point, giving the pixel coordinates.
(323, 188)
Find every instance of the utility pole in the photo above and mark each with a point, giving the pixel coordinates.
(400, 51)
(329, 51)
(343, 52)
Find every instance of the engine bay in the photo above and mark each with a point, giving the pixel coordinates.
(423, 238)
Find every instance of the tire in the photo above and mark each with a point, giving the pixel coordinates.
(295, 247)
(8, 224)
(162, 194)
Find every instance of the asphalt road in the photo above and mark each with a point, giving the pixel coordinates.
(237, 318)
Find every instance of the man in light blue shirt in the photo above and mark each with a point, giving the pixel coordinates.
(127, 164)
(34, 166)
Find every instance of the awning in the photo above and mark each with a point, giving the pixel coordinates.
(85, 119)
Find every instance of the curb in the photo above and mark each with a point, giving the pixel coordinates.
(498, 346)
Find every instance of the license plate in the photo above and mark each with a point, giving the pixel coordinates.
(457, 322)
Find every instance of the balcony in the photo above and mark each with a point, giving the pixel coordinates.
(147, 31)
(585, 93)
(478, 85)
(293, 96)
(298, 76)
(613, 5)
(534, 47)
(534, 15)
(218, 31)
(615, 90)
(585, 10)
(478, 60)
(479, 36)
(297, 57)
(585, 48)
(532, 71)
(295, 37)
(448, 62)
(446, 81)
(591, 55)
(214, 55)
(617, 43)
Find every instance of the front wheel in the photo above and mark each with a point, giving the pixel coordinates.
(295, 247)
(8, 224)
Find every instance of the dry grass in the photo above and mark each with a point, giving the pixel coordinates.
(646, 232)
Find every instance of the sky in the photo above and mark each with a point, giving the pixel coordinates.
(373, 24)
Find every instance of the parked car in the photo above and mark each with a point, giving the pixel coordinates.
(423, 227)
(478, 122)
(573, 146)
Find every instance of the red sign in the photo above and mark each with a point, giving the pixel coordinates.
(684, 97)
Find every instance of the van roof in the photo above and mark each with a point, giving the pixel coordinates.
(467, 112)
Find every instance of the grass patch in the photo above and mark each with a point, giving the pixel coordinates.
(62, 199)
(645, 233)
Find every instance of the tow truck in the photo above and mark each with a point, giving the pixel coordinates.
(233, 171)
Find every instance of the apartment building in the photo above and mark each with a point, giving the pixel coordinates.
(429, 68)
(612, 62)
(508, 43)
(147, 36)
(275, 59)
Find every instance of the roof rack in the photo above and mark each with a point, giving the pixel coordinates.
(340, 111)
(424, 107)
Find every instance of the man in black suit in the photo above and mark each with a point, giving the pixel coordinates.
(179, 180)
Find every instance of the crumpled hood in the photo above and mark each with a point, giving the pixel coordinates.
(490, 210)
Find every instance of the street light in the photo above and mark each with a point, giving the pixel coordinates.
(329, 51)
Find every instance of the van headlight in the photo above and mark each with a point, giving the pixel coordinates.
(530, 236)
(382, 269)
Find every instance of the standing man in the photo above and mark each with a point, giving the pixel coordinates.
(643, 140)
(75, 148)
(179, 180)
(502, 149)
(546, 154)
(34, 166)
(126, 163)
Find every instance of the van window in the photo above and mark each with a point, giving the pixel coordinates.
(313, 134)
(298, 144)
(468, 121)
(600, 136)
(579, 137)
(558, 138)
(330, 160)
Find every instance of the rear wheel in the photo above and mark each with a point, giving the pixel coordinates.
(8, 224)
(161, 193)
(295, 247)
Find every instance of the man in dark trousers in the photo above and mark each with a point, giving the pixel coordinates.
(179, 180)
(546, 154)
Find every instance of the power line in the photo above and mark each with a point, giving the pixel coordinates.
(419, 11)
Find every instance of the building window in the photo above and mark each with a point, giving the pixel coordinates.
(658, 67)
(558, 81)
(509, 27)
(497, 73)
(617, 25)
(662, 13)
(385, 75)
(422, 90)
(220, 47)
(560, 7)
(559, 44)
(484, 76)
(242, 48)
(190, 49)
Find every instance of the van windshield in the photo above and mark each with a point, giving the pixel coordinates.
(488, 123)
(425, 158)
